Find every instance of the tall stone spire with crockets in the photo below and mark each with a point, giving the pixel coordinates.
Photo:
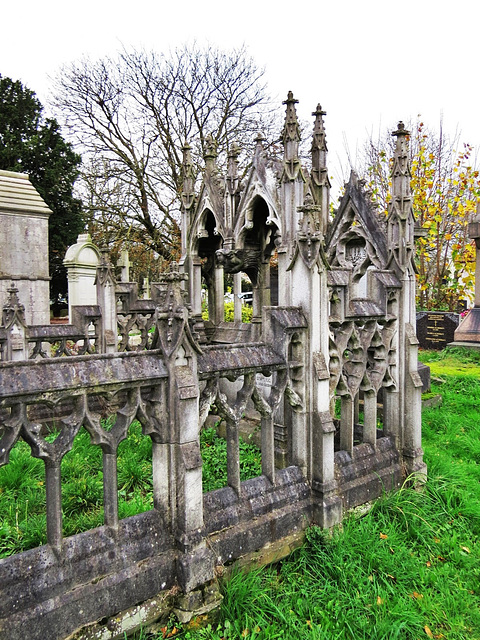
(291, 140)
(188, 192)
(401, 220)
(320, 184)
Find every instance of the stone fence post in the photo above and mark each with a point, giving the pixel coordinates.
(106, 283)
(180, 442)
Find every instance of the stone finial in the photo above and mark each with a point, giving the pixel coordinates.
(319, 137)
(105, 269)
(210, 153)
(319, 150)
(401, 219)
(172, 279)
(259, 140)
(291, 137)
(402, 135)
(291, 129)
(13, 309)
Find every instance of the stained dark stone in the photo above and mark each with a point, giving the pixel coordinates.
(436, 329)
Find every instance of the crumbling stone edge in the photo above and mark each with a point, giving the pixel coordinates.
(196, 608)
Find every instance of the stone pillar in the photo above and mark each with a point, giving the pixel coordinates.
(81, 261)
(124, 264)
(218, 306)
(181, 441)
(108, 339)
(305, 219)
(412, 436)
(24, 246)
(401, 255)
(237, 302)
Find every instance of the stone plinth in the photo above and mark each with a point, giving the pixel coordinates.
(469, 329)
(24, 245)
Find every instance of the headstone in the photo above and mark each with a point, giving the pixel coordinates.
(436, 329)
(81, 261)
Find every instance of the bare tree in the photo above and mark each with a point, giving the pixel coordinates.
(130, 118)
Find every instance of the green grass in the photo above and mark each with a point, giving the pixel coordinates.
(214, 456)
(452, 361)
(22, 485)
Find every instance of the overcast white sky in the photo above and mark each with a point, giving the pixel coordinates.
(369, 63)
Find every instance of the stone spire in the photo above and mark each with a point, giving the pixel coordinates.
(401, 220)
(319, 149)
(210, 154)
(291, 139)
(401, 174)
(188, 178)
(232, 169)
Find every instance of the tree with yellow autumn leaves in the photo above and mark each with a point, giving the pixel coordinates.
(446, 187)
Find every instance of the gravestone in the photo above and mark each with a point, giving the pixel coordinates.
(81, 261)
(436, 329)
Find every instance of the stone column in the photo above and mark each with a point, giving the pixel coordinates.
(24, 246)
(401, 255)
(182, 442)
(108, 339)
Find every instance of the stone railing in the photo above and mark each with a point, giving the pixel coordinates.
(52, 590)
(57, 381)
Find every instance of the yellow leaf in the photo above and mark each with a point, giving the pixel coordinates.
(379, 600)
(428, 632)
(383, 536)
(416, 595)
(245, 633)
(429, 564)
(466, 549)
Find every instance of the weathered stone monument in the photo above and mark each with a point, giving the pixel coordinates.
(341, 338)
(24, 246)
(468, 332)
(81, 261)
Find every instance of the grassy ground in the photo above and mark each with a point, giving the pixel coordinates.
(22, 485)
